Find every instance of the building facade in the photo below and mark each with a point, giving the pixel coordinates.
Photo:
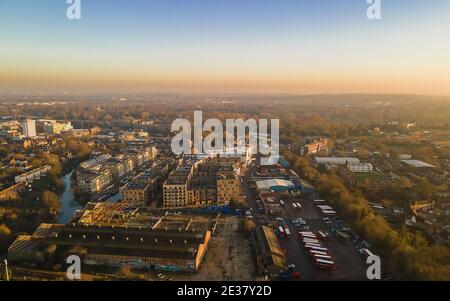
(135, 194)
(29, 128)
(203, 182)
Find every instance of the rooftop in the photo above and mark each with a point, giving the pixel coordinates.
(268, 184)
(417, 163)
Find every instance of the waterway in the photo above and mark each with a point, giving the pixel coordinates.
(68, 201)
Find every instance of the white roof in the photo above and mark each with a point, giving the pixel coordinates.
(417, 163)
(337, 160)
(267, 184)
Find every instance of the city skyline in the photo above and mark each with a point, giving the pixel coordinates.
(300, 47)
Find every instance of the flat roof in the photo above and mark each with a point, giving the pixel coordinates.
(130, 241)
(267, 184)
(417, 163)
(272, 241)
(337, 160)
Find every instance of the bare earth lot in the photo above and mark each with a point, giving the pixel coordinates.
(228, 257)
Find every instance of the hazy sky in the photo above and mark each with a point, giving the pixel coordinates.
(266, 46)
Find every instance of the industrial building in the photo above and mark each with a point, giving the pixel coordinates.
(360, 167)
(113, 235)
(336, 160)
(276, 185)
(418, 164)
(270, 257)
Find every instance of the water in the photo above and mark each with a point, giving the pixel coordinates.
(114, 199)
(68, 202)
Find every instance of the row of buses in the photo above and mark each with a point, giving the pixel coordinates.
(324, 209)
(319, 253)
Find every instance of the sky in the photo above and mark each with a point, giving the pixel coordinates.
(247, 46)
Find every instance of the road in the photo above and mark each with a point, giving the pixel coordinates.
(349, 263)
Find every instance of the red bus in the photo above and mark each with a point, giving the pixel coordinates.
(324, 264)
(320, 202)
(324, 257)
(309, 238)
(305, 234)
(311, 247)
(312, 252)
(281, 232)
(367, 253)
(314, 241)
(329, 212)
(325, 207)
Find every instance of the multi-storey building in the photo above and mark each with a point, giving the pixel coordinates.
(32, 175)
(29, 128)
(175, 187)
(91, 163)
(103, 171)
(93, 181)
(204, 182)
(136, 193)
(228, 188)
(317, 147)
(10, 129)
(57, 127)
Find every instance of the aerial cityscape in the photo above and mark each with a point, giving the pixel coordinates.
(190, 141)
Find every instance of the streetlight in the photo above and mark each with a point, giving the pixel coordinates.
(6, 269)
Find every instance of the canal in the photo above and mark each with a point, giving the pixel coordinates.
(69, 203)
(67, 199)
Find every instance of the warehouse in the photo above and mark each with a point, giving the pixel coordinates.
(269, 255)
(275, 185)
(156, 249)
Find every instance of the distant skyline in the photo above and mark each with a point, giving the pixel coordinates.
(225, 46)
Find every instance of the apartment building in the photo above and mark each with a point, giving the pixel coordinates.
(203, 182)
(91, 163)
(94, 181)
(32, 175)
(175, 187)
(101, 172)
(319, 146)
(228, 188)
(29, 128)
(136, 194)
(10, 129)
(54, 127)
